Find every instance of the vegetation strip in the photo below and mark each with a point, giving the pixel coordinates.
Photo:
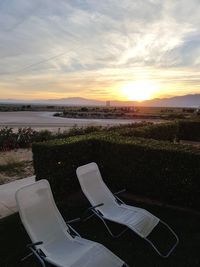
(157, 169)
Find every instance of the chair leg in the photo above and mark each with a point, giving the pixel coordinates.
(87, 218)
(26, 257)
(39, 258)
(108, 228)
(148, 240)
(171, 249)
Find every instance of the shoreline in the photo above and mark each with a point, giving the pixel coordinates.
(46, 120)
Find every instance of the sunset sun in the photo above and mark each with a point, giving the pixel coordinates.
(139, 90)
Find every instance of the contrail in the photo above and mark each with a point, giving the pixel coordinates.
(22, 20)
(40, 62)
(43, 61)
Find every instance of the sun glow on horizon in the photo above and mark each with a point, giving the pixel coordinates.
(140, 90)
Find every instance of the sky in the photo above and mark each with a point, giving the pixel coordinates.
(99, 49)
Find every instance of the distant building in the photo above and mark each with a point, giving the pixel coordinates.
(107, 103)
(133, 109)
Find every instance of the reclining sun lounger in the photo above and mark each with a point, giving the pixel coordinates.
(54, 241)
(107, 206)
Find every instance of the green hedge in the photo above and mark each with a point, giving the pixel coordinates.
(189, 130)
(57, 161)
(163, 131)
(160, 170)
(178, 130)
(185, 129)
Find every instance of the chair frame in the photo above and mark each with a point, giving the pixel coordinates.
(40, 256)
(119, 201)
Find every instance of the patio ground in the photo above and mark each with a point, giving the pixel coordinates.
(132, 249)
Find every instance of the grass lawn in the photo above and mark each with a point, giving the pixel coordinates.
(132, 249)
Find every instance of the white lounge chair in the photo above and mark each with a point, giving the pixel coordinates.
(53, 241)
(107, 206)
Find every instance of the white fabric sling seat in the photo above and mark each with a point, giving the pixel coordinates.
(54, 241)
(109, 207)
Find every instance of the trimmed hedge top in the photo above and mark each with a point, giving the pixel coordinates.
(119, 139)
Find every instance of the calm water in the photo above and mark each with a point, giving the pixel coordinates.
(45, 120)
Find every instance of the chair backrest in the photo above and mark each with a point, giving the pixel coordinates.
(93, 186)
(39, 214)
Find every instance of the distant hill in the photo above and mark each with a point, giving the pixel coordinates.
(192, 100)
(71, 101)
(177, 101)
(77, 101)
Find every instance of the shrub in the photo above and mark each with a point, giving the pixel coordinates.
(25, 136)
(189, 130)
(162, 131)
(83, 130)
(126, 127)
(43, 135)
(8, 139)
(182, 129)
(57, 114)
(161, 170)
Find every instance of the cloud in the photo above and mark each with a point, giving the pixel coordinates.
(79, 46)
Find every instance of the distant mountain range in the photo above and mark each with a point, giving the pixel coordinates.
(192, 100)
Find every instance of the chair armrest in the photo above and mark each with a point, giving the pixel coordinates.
(120, 192)
(73, 220)
(36, 252)
(96, 206)
(118, 200)
(84, 217)
(71, 229)
(33, 245)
